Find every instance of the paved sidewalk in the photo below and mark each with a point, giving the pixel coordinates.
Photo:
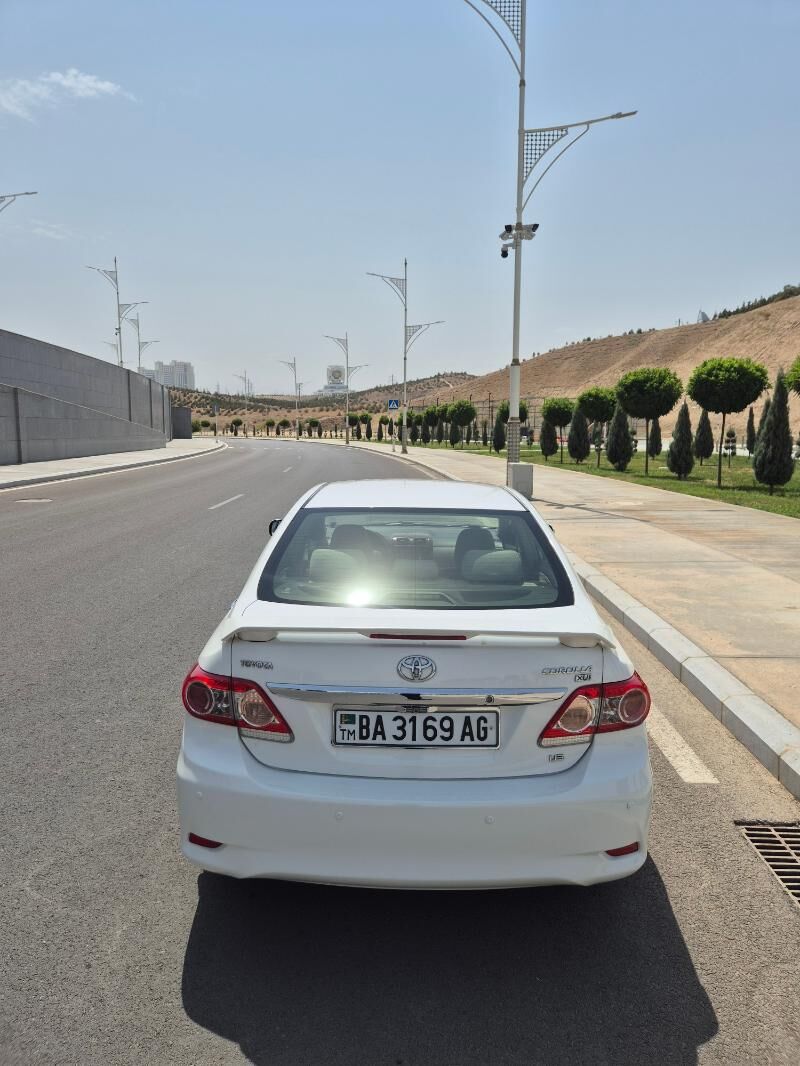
(726, 577)
(20, 474)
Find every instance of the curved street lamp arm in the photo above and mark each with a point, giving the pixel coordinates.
(569, 126)
(554, 160)
(496, 32)
(392, 283)
(419, 330)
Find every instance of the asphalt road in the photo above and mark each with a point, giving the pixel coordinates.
(114, 950)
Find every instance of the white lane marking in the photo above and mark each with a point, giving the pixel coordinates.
(222, 504)
(38, 499)
(688, 765)
(288, 468)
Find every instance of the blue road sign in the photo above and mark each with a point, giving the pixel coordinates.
(394, 405)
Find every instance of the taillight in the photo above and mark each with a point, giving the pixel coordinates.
(598, 709)
(234, 701)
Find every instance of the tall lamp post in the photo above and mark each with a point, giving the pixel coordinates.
(133, 320)
(7, 199)
(297, 386)
(410, 334)
(123, 310)
(348, 371)
(532, 146)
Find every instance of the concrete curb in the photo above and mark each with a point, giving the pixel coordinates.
(763, 730)
(760, 727)
(45, 479)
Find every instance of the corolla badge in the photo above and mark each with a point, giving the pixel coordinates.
(416, 668)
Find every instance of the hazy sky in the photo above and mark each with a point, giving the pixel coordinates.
(248, 161)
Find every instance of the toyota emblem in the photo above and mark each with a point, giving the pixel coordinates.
(416, 668)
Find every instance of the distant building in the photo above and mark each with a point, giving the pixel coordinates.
(175, 375)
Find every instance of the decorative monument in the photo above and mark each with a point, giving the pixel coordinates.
(336, 380)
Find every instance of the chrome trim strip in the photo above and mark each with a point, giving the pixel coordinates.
(370, 695)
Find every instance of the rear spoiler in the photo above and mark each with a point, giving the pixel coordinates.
(288, 634)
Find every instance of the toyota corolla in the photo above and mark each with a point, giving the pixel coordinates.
(413, 690)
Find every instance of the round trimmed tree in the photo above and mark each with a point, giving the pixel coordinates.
(557, 410)
(727, 386)
(679, 454)
(598, 404)
(648, 393)
(793, 377)
(773, 464)
(502, 410)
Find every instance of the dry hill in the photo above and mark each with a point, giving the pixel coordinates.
(770, 335)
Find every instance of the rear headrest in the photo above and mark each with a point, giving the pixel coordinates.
(496, 568)
(345, 537)
(473, 538)
(330, 567)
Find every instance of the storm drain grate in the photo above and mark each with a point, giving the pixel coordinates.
(778, 844)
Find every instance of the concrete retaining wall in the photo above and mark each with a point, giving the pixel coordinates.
(182, 423)
(61, 404)
(35, 428)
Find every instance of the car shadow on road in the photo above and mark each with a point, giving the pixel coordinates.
(304, 974)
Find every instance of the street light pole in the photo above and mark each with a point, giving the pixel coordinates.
(410, 334)
(532, 146)
(133, 320)
(112, 276)
(348, 371)
(293, 367)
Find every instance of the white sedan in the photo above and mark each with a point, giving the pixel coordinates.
(413, 691)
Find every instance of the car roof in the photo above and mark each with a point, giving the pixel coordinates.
(422, 493)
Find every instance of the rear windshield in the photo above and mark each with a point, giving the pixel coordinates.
(431, 559)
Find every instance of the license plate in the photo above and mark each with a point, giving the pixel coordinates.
(395, 727)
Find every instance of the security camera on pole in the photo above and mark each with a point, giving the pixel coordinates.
(410, 334)
(532, 146)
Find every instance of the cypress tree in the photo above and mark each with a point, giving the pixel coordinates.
(468, 433)
(679, 454)
(439, 431)
(414, 432)
(762, 420)
(654, 440)
(426, 432)
(548, 441)
(485, 434)
(703, 438)
(619, 447)
(390, 429)
(455, 433)
(369, 430)
(499, 434)
(772, 463)
(750, 436)
(380, 432)
(578, 439)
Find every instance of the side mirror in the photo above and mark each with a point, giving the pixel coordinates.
(274, 525)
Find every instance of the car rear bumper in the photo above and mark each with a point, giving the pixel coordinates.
(387, 833)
